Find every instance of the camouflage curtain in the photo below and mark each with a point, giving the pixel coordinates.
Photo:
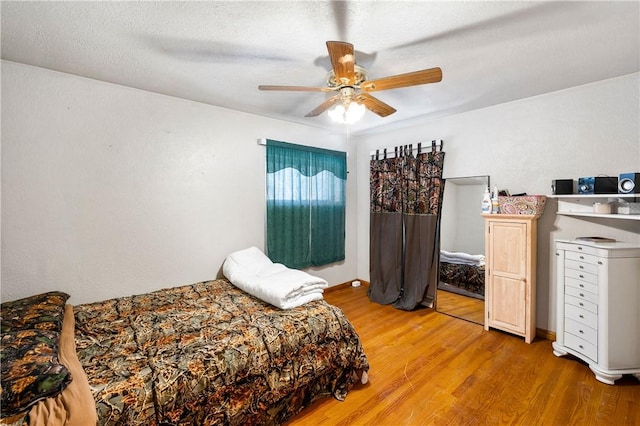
(406, 200)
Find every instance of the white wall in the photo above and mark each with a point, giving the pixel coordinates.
(110, 191)
(584, 131)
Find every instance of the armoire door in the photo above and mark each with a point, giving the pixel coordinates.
(507, 286)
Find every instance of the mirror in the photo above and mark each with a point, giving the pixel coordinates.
(461, 285)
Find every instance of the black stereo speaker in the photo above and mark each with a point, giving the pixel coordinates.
(597, 185)
(629, 183)
(562, 187)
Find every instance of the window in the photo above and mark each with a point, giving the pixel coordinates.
(305, 204)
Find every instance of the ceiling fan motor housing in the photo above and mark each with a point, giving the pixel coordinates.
(359, 76)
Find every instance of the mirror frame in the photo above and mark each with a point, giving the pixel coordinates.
(474, 205)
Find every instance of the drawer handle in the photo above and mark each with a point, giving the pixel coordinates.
(581, 294)
(581, 332)
(581, 267)
(579, 248)
(599, 262)
(581, 285)
(581, 316)
(581, 276)
(581, 304)
(581, 347)
(582, 257)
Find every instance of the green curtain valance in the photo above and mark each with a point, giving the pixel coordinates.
(287, 159)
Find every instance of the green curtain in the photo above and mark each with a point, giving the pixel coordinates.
(305, 204)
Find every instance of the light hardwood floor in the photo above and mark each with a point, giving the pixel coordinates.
(459, 306)
(430, 368)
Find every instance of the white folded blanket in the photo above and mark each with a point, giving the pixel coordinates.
(462, 258)
(253, 272)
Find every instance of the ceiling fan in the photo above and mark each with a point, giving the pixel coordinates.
(350, 81)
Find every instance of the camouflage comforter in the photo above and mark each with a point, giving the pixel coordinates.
(467, 278)
(209, 353)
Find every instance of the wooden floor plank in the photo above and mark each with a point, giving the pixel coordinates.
(430, 368)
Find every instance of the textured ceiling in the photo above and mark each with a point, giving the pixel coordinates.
(219, 52)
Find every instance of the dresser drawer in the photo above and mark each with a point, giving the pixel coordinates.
(581, 303)
(581, 315)
(582, 257)
(580, 345)
(580, 330)
(581, 266)
(579, 249)
(580, 275)
(579, 284)
(581, 293)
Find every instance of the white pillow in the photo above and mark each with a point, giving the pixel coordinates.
(251, 260)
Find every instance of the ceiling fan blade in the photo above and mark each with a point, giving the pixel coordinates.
(374, 104)
(324, 106)
(296, 88)
(431, 75)
(343, 61)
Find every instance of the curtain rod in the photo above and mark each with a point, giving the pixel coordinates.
(438, 144)
(390, 152)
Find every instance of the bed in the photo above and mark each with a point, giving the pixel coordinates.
(462, 273)
(205, 353)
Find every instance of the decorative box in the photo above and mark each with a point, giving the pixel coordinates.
(629, 208)
(522, 204)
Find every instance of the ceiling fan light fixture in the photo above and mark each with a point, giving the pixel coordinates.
(347, 115)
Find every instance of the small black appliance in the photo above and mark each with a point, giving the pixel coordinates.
(562, 186)
(598, 185)
(629, 183)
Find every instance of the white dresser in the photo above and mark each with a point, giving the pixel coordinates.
(598, 306)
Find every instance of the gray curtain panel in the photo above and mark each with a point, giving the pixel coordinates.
(406, 200)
